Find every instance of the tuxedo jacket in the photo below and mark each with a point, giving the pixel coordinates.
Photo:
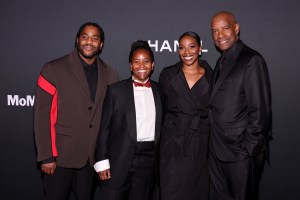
(240, 106)
(66, 120)
(118, 135)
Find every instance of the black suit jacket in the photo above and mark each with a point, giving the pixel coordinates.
(240, 107)
(118, 136)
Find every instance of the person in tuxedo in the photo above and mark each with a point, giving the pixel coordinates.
(130, 130)
(67, 112)
(240, 114)
(184, 140)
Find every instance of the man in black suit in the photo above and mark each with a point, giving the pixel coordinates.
(240, 114)
(129, 131)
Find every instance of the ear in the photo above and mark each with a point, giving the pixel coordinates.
(237, 29)
(152, 65)
(200, 50)
(130, 67)
(101, 44)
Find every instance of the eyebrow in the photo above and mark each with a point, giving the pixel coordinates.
(92, 35)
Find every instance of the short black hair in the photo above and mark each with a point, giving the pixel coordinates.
(102, 36)
(140, 44)
(193, 35)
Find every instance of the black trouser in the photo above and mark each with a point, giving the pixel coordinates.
(235, 180)
(59, 185)
(139, 184)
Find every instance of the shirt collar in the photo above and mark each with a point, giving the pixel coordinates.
(87, 66)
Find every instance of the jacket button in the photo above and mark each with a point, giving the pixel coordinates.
(91, 125)
(90, 108)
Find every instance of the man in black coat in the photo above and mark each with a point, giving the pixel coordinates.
(240, 114)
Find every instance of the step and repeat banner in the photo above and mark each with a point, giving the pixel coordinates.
(34, 32)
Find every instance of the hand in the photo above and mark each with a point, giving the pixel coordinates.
(49, 168)
(104, 175)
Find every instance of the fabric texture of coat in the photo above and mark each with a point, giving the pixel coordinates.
(66, 120)
(118, 135)
(240, 112)
(185, 134)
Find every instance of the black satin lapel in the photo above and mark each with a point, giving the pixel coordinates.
(131, 116)
(158, 108)
(226, 69)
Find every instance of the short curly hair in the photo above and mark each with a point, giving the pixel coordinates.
(140, 44)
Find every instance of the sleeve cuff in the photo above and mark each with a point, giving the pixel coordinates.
(102, 165)
(49, 160)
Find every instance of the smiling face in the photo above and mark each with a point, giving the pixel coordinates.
(141, 65)
(89, 44)
(189, 50)
(225, 30)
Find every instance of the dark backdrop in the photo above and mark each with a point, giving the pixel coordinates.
(33, 32)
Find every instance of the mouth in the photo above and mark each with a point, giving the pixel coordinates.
(88, 47)
(188, 58)
(222, 42)
(142, 71)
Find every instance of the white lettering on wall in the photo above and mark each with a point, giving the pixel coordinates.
(166, 45)
(16, 100)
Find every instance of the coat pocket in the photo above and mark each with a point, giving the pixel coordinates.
(63, 130)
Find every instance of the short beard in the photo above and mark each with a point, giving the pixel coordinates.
(80, 51)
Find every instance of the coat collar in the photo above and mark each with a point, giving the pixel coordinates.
(76, 68)
(230, 64)
(178, 77)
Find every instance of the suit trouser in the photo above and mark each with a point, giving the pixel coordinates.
(235, 180)
(59, 185)
(139, 184)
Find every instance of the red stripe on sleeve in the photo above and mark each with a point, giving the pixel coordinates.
(48, 87)
(53, 118)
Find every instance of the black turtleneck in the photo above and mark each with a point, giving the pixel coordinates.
(91, 73)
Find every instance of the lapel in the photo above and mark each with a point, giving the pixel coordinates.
(229, 65)
(101, 83)
(180, 86)
(130, 114)
(78, 71)
(158, 108)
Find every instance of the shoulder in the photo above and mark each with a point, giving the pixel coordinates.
(55, 67)
(205, 64)
(170, 70)
(249, 53)
(106, 66)
(111, 73)
(119, 86)
(63, 60)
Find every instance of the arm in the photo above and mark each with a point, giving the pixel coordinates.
(44, 100)
(103, 169)
(102, 165)
(258, 95)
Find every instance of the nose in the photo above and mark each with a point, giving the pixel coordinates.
(220, 34)
(89, 40)
(186, 51)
